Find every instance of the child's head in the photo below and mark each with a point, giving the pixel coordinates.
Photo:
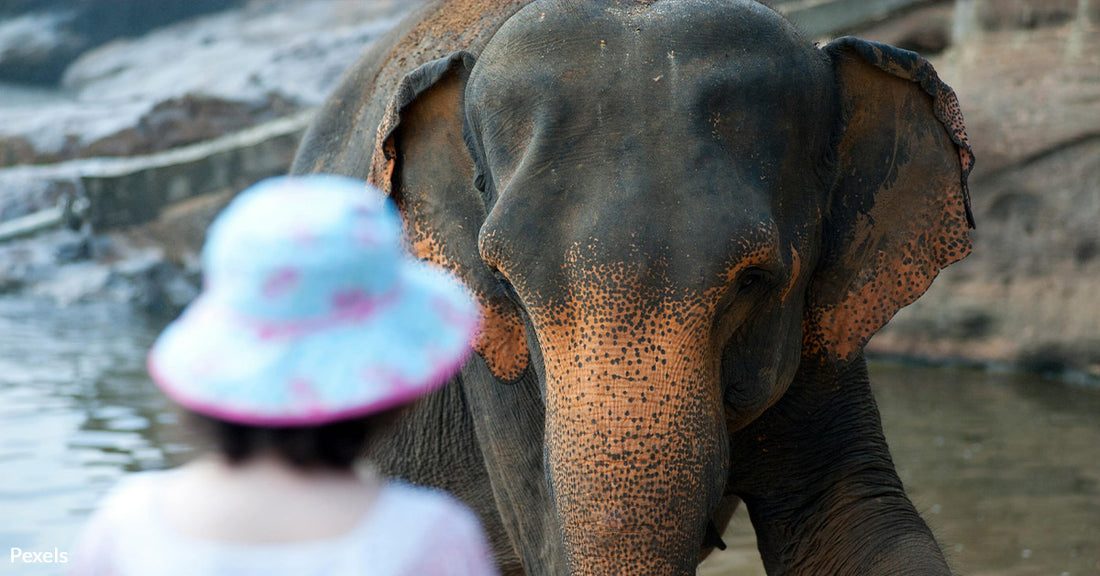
(313, 321)
(334, 446)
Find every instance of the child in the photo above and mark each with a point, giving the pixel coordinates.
(312, 327)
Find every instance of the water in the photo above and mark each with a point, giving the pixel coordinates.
(76, 413)
(1005, 467)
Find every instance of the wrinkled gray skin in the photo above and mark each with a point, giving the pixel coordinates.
(682, 221)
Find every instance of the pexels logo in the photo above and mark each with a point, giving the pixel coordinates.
(20, 556)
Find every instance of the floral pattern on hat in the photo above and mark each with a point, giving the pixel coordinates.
(313, 311)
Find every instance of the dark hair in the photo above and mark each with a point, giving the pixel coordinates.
(330, 446)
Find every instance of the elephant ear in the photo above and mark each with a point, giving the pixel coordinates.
(421, 161)
(900, 209)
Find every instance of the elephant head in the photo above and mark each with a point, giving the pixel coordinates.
(668, 211)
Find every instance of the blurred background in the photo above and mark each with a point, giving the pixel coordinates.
(126, 125)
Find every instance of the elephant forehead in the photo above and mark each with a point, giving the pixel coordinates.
(688, 99)
(665, 41)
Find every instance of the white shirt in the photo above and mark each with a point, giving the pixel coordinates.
(408, 531)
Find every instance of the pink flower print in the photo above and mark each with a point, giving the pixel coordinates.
(388, 377)
(348, 299)
(449, 313)
(208, 366)
(401, 385)
(280, 282)
(304, 393)
(366, 237)
(268, 332)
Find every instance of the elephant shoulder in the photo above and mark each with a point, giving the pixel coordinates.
(341, 138)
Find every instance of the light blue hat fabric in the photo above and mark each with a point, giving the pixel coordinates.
(312, 311)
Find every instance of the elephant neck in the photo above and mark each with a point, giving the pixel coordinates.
(815, 470)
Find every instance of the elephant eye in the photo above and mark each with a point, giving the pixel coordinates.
(751, 280)
(485, 189)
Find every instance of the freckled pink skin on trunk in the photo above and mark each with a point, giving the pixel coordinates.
(634, 430)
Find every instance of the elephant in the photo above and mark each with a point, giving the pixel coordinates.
(682, 222)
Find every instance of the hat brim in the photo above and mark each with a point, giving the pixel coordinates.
(237, 370)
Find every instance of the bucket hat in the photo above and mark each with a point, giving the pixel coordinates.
(312, 311)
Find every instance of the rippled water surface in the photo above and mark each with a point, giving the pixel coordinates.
(1005, 467)
(76, 413)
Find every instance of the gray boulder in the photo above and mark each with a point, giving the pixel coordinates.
(1025, 74)
(40, 38)
(193, 81)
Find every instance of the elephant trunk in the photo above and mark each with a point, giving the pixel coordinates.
(635, 438)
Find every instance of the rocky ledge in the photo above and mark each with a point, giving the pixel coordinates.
(107, 184)
(1025, 72)
(1028, 77)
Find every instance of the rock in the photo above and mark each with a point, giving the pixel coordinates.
(133, 191)
(225, 113)
(1027, 295)
(59, 130)
(187, 120)
(119, 192)
(22, 194)
(925, 29)
(9, 283)
(40, 38)
(81, 282)
(297, 49)
(74, 266)
(36, 46)
(152, 284)
(996, 15)
(818, 18)
(77, 250)
(194, 80)
(70, 267)
(42, 266)
(119, 130)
